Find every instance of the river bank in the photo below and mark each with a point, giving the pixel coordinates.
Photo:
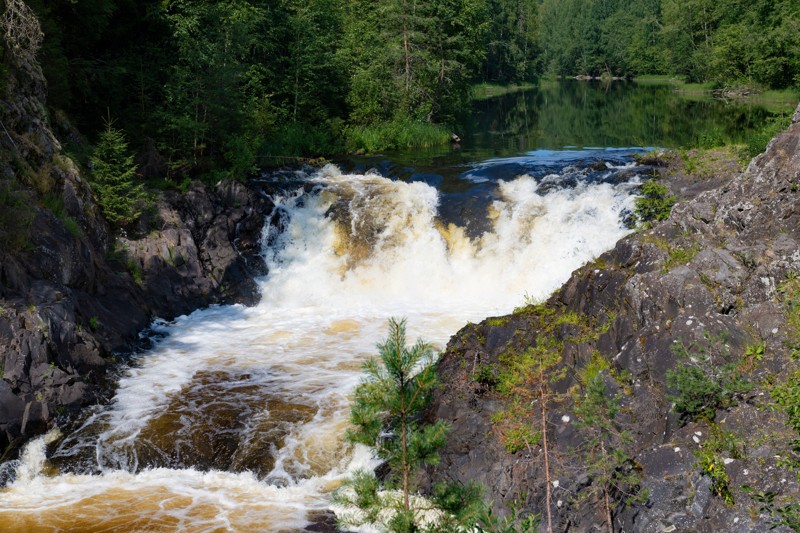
(681, 309)
(73, 304)
(777, 101)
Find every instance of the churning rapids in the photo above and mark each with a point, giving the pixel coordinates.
(234, 419)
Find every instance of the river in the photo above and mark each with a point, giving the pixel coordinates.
(233, 421)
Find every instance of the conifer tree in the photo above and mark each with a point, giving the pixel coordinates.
(386, 415)
(114, 178)
(614, 480)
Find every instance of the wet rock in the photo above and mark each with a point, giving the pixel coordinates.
(322, 522)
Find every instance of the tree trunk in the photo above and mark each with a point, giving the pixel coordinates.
(406, 49)
(406, 504)
(607, 500)
(548, 496)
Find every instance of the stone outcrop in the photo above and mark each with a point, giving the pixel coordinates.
(707, 279)
(72, 294)
(68, 301)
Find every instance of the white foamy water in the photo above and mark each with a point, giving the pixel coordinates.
(234, 420)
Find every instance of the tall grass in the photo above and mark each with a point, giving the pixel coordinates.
(395, 135)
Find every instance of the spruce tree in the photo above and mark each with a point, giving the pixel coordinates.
(114, 178)
(386, 415)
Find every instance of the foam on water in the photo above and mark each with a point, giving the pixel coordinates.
(234, 419)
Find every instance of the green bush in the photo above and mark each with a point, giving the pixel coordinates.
(787, 515)
(487, 375)
(711, 139)
(654, 204)
(711, 462)
(703, 382)
(758, 140)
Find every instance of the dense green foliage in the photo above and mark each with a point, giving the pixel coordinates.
(655, 202)
(412, 59)
(705, 379)
(386, 415)
(595, 37)
(220, 88)
(114, 178)
(724, 41)
(512, 43)
(202, 87)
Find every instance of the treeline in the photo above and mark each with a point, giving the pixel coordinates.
(747, 42)
(203, 85)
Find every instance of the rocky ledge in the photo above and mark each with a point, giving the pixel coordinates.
(657, 390)
(73, 297)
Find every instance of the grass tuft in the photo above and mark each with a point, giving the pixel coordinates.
(395, 135)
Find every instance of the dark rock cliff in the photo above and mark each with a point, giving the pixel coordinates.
(67, 303)
(71, 294)
(711, 279)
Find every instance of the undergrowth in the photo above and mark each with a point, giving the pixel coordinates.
(705, 379)
(55, 203)
(719, 446)
(395, 135)
(757, 140)
(16, 215)
(654, 204)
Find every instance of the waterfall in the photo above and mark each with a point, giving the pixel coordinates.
(234, 419)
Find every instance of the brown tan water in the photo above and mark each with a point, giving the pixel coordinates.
(234, 420)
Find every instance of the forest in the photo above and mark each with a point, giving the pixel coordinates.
(224, 87)
(753, 43)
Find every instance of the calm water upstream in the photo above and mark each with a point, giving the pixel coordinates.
(233, 421)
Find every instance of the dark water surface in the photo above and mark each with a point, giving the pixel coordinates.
(566, 120)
